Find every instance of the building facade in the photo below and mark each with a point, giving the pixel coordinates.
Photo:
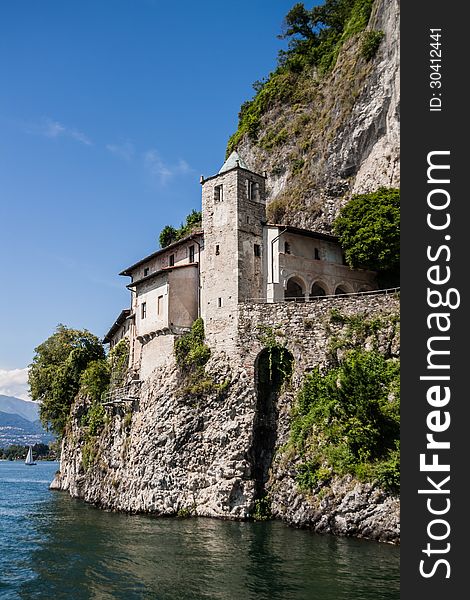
(237, 257)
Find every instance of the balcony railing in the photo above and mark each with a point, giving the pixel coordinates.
(128, 393)
(303, 299)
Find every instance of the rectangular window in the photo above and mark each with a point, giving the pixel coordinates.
(159, 305)
(317, 254)
(191, 254)
(143, 310)
(219, 302)
(218, 193)
(217, 250)
(172, 260)
(252, 190)
(286, 248)
(257, 249)
(146, 271)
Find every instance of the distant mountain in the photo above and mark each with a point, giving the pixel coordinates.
(20, 424)
(25, 408)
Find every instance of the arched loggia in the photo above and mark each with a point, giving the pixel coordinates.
(317, 290)
(295, 290)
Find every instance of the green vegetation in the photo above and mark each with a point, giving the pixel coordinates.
(127, 420)
(315, 37)
(18, 452)
(118, 360)
(100, 376)
(191, 355)
(370, 43)
(347, 421)
(169, 234)
(368, 227)
(105, 373)
(190, 351)
(93, 422)
(262, 509)
(94, 380)
(71, 362)
(55, 373)
(95, 419)
(357, 331)
(276, 361)
(186, 512)
(89, 452)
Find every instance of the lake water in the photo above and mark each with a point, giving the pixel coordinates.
(54, 547)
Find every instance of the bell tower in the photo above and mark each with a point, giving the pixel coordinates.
(233, 216)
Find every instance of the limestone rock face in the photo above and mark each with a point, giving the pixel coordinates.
(177, 453)
(340, 137)
(169, 455)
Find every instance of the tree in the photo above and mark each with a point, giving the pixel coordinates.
(95, 379)
(192, 222)
(167, 236)
(54, 375)
(310, 27)
(298, 21)
(368, 227)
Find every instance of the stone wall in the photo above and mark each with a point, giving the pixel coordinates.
(303, 327)
(349, 507)
(180, 451)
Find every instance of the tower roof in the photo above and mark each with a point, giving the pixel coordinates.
(233, 161)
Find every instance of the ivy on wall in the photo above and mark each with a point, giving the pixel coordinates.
(346, 418)
(347, 421)
(192, 354)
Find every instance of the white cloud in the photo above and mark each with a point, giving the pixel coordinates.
(53, 129)
(14, 382)
(125, 150)
(164, 172)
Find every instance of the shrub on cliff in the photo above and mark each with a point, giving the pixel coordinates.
(347, 420)
(169, 234)
(191, 355)
(368, 227)
(190, 350)
(118, 359)
(94, 380)
(315, 37)
(55, 373)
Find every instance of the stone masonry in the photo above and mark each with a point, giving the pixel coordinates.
(173, 453)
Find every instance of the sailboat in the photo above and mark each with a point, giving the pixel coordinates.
(29, 458)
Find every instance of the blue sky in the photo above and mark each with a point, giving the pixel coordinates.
(110, 111)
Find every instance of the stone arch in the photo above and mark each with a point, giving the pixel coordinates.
(273, 366)
(295, 289)
(342, 288)
(318, 289)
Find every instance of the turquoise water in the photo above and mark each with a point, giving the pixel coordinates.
(54, 547)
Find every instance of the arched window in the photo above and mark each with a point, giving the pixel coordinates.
(317, 290)
(340, 290)
(295, 290)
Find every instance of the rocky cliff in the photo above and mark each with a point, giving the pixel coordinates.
(338, 134)
(176, 452)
